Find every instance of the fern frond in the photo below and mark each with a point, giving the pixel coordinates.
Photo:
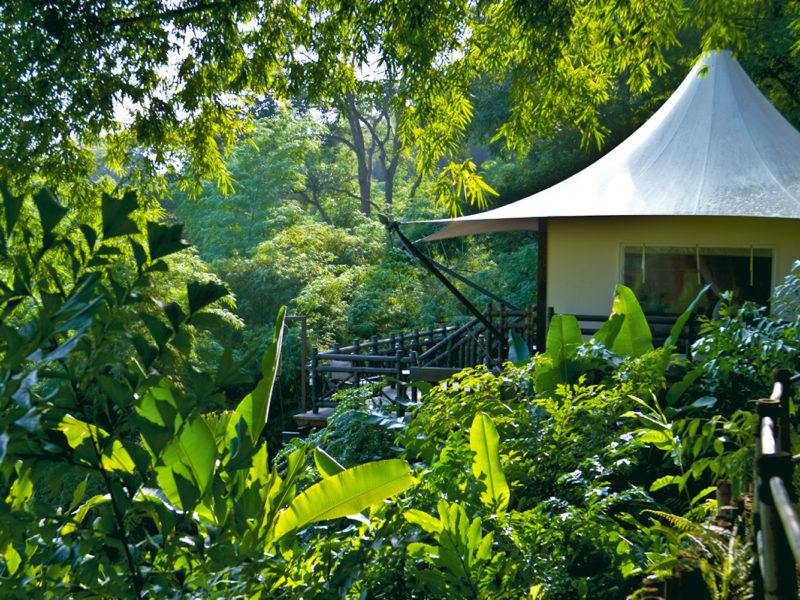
(682, 523)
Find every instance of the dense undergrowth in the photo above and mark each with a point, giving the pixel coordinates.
(128, 468)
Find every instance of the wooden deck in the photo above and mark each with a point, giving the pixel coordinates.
(314, 419)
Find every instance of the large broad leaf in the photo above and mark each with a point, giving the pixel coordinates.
(163, 240)
(50, 211)
(517, 348)
(563, 337)
(201, 295)
(187, 464)
(253, 410)
(346, 493)
(609, 331)
(634, 338)
(88, 439)
(556, 365)
(676, 390)
(675, 332)
(11, 206)
(485, 443)
(115, 215)
(326, 464)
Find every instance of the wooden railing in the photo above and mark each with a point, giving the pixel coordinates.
(447, 346)
(775, 523)
(660, 326)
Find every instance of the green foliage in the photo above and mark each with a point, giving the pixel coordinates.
(187, 74)
(462, 561)
(738, 351)
(483, 441)
(361, 429)
(172, 499)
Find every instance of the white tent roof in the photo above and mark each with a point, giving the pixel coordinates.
(716, 147)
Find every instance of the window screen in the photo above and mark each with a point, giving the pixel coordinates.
(666, 279)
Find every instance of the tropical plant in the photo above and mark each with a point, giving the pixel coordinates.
(168, 497)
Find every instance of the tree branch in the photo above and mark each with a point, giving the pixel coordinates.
(170, 14)
(342, 140)
(346, 192)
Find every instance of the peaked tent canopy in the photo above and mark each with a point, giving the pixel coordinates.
(716, 147)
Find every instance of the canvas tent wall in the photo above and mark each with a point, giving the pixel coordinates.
(716, 166)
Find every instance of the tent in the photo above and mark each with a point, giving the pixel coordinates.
(706, 191)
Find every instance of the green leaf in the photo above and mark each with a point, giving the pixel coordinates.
(424, 520)
(77, 495)
(634, 338)
(609, 331)
(89, 234)
(63, 350)
(326, 464)
(680, 323)
(157, 329)
(113, 456)
(11, 204)
(664, 482)
(703, 493)
(676, 390)
(254, 408)
(202, 294)
(346, 493)
(50, 211)
(163, 240)
(517, 348)
(484, 441)
(484, 551)
(556, 366)
(704, 402)
(187, 464)
(563, 337)
(115, 215)
(138, 253)
(660, 439)
(11, 558)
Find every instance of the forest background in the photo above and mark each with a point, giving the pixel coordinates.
(275, 134)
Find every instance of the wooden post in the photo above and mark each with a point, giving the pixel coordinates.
(530, 337)
(314, 380)
(778, 573)
(416, 341)
(449, 359)
(541, 286)
(784, 377)
(356, 374)
(303, 361)
(399, 389)
(302, 319)
(501, 347)
(489, 336)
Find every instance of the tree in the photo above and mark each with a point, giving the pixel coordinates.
(373, 136)
(116, 481)
(184, 70)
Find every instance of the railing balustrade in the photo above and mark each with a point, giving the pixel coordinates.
(775, 523)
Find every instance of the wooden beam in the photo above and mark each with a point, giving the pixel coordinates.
(541, 286)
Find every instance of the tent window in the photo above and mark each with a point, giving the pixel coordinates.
(666, 279)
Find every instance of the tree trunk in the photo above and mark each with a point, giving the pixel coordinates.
(364, 165)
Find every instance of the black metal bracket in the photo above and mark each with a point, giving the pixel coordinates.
(426, 262)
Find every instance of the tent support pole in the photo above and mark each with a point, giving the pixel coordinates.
(392, 226)
(541, 286)
(472, 284)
